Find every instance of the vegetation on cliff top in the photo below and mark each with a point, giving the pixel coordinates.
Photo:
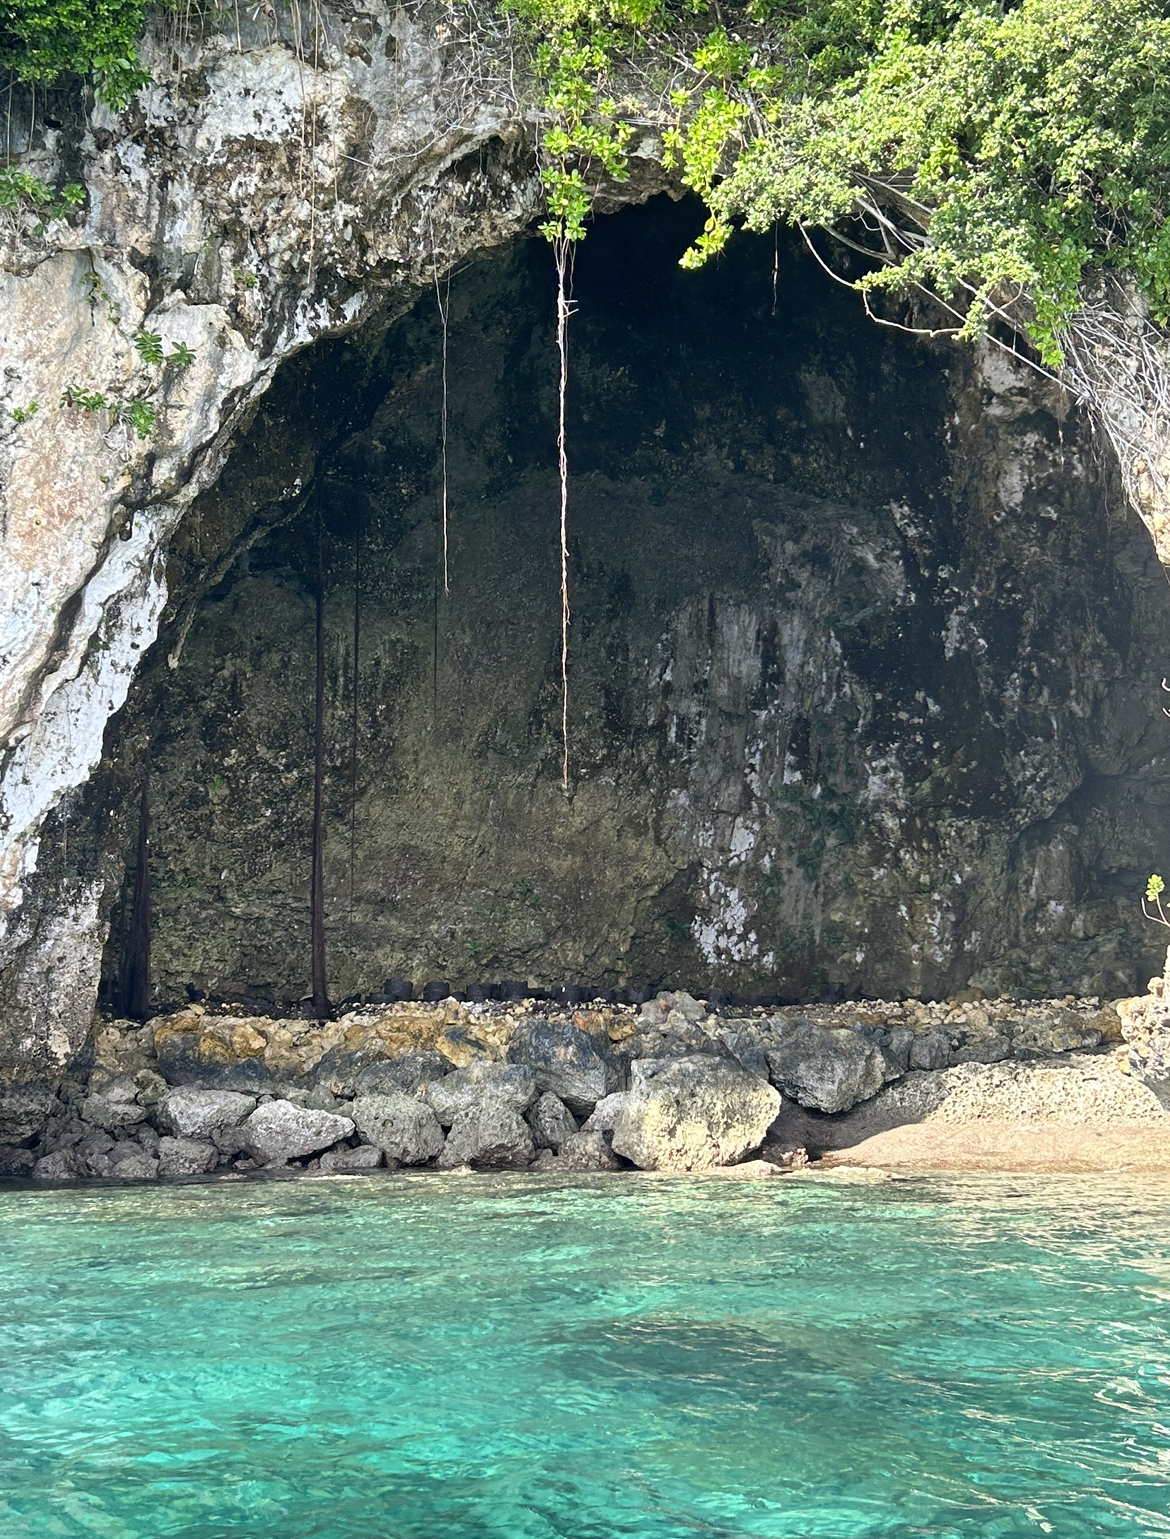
(996, 155)
(40, 40)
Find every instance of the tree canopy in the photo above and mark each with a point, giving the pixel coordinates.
(996, 155)
(40, 40)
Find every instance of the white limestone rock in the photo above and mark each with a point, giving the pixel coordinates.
(692, 1113)
(279, 1131)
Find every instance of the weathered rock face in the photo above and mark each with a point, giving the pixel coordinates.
(691, 1114)
(267, 190)
(862, 685)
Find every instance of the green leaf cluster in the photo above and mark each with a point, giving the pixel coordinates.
(41, 40)
(21, 189)
(989, 152)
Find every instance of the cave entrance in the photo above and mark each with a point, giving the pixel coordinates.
(860, 657)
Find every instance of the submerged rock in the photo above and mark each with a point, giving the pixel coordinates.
(279, 1131)
(691, 1113)
(404, 1128)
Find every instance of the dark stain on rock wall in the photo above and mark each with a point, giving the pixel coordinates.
(865, 655)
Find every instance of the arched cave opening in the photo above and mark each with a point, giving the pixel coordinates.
(864, 657)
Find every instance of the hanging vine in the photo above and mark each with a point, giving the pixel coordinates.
(584, 131)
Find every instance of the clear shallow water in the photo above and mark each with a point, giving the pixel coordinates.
(510, 1358)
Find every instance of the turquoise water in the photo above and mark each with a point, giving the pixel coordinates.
(518, 1358)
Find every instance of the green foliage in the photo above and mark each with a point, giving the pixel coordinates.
(1155, 887)
(180, 356)
(22, 414)
(22, 190)
(149, 346)
(81, 399)
(140, 414)
(41, 40)
(987, 152)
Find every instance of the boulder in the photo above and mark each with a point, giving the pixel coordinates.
(126, 1161)
(92, 1150)
(565, 1060)
(15, 1161)
(114, 1106)
(279, 1131)
(494, 1134)
(586, 1151)
(190, 1113)
(551, 1121)
(692, 1113)
(339, 1161)
(403, 1128)
(61, 1165)
(186, 1156)
(478, 1086)
(930, 1050)
(828, 1069)
(24, 1110)
(409, 1074)
(603, 1117)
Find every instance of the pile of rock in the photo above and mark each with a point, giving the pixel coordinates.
(670, 1086)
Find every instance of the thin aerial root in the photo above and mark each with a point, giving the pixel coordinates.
(443, 301)
(563, 250)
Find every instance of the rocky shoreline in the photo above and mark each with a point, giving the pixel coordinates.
(673, 1085)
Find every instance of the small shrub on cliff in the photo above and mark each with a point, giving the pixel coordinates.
(42, 40)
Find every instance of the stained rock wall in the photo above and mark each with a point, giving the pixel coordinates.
(864, 682)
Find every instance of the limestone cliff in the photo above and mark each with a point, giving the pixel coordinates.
(865, 654)
(269, 189)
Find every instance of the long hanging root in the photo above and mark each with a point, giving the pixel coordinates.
(443, 302)
(321, 1006)
(563, 252)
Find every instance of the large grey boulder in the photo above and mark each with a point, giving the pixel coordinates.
(566, 1061)
(586, 1151)
(551, 1121)
(186, 1156)
(404, 1128)
(190, 1113)
(691, 1113)
(500, 1086)
(61, 1165)
(827, 1068)
(114, 1106)
(279, 1131)
(409, 1074)
(492, 1135)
